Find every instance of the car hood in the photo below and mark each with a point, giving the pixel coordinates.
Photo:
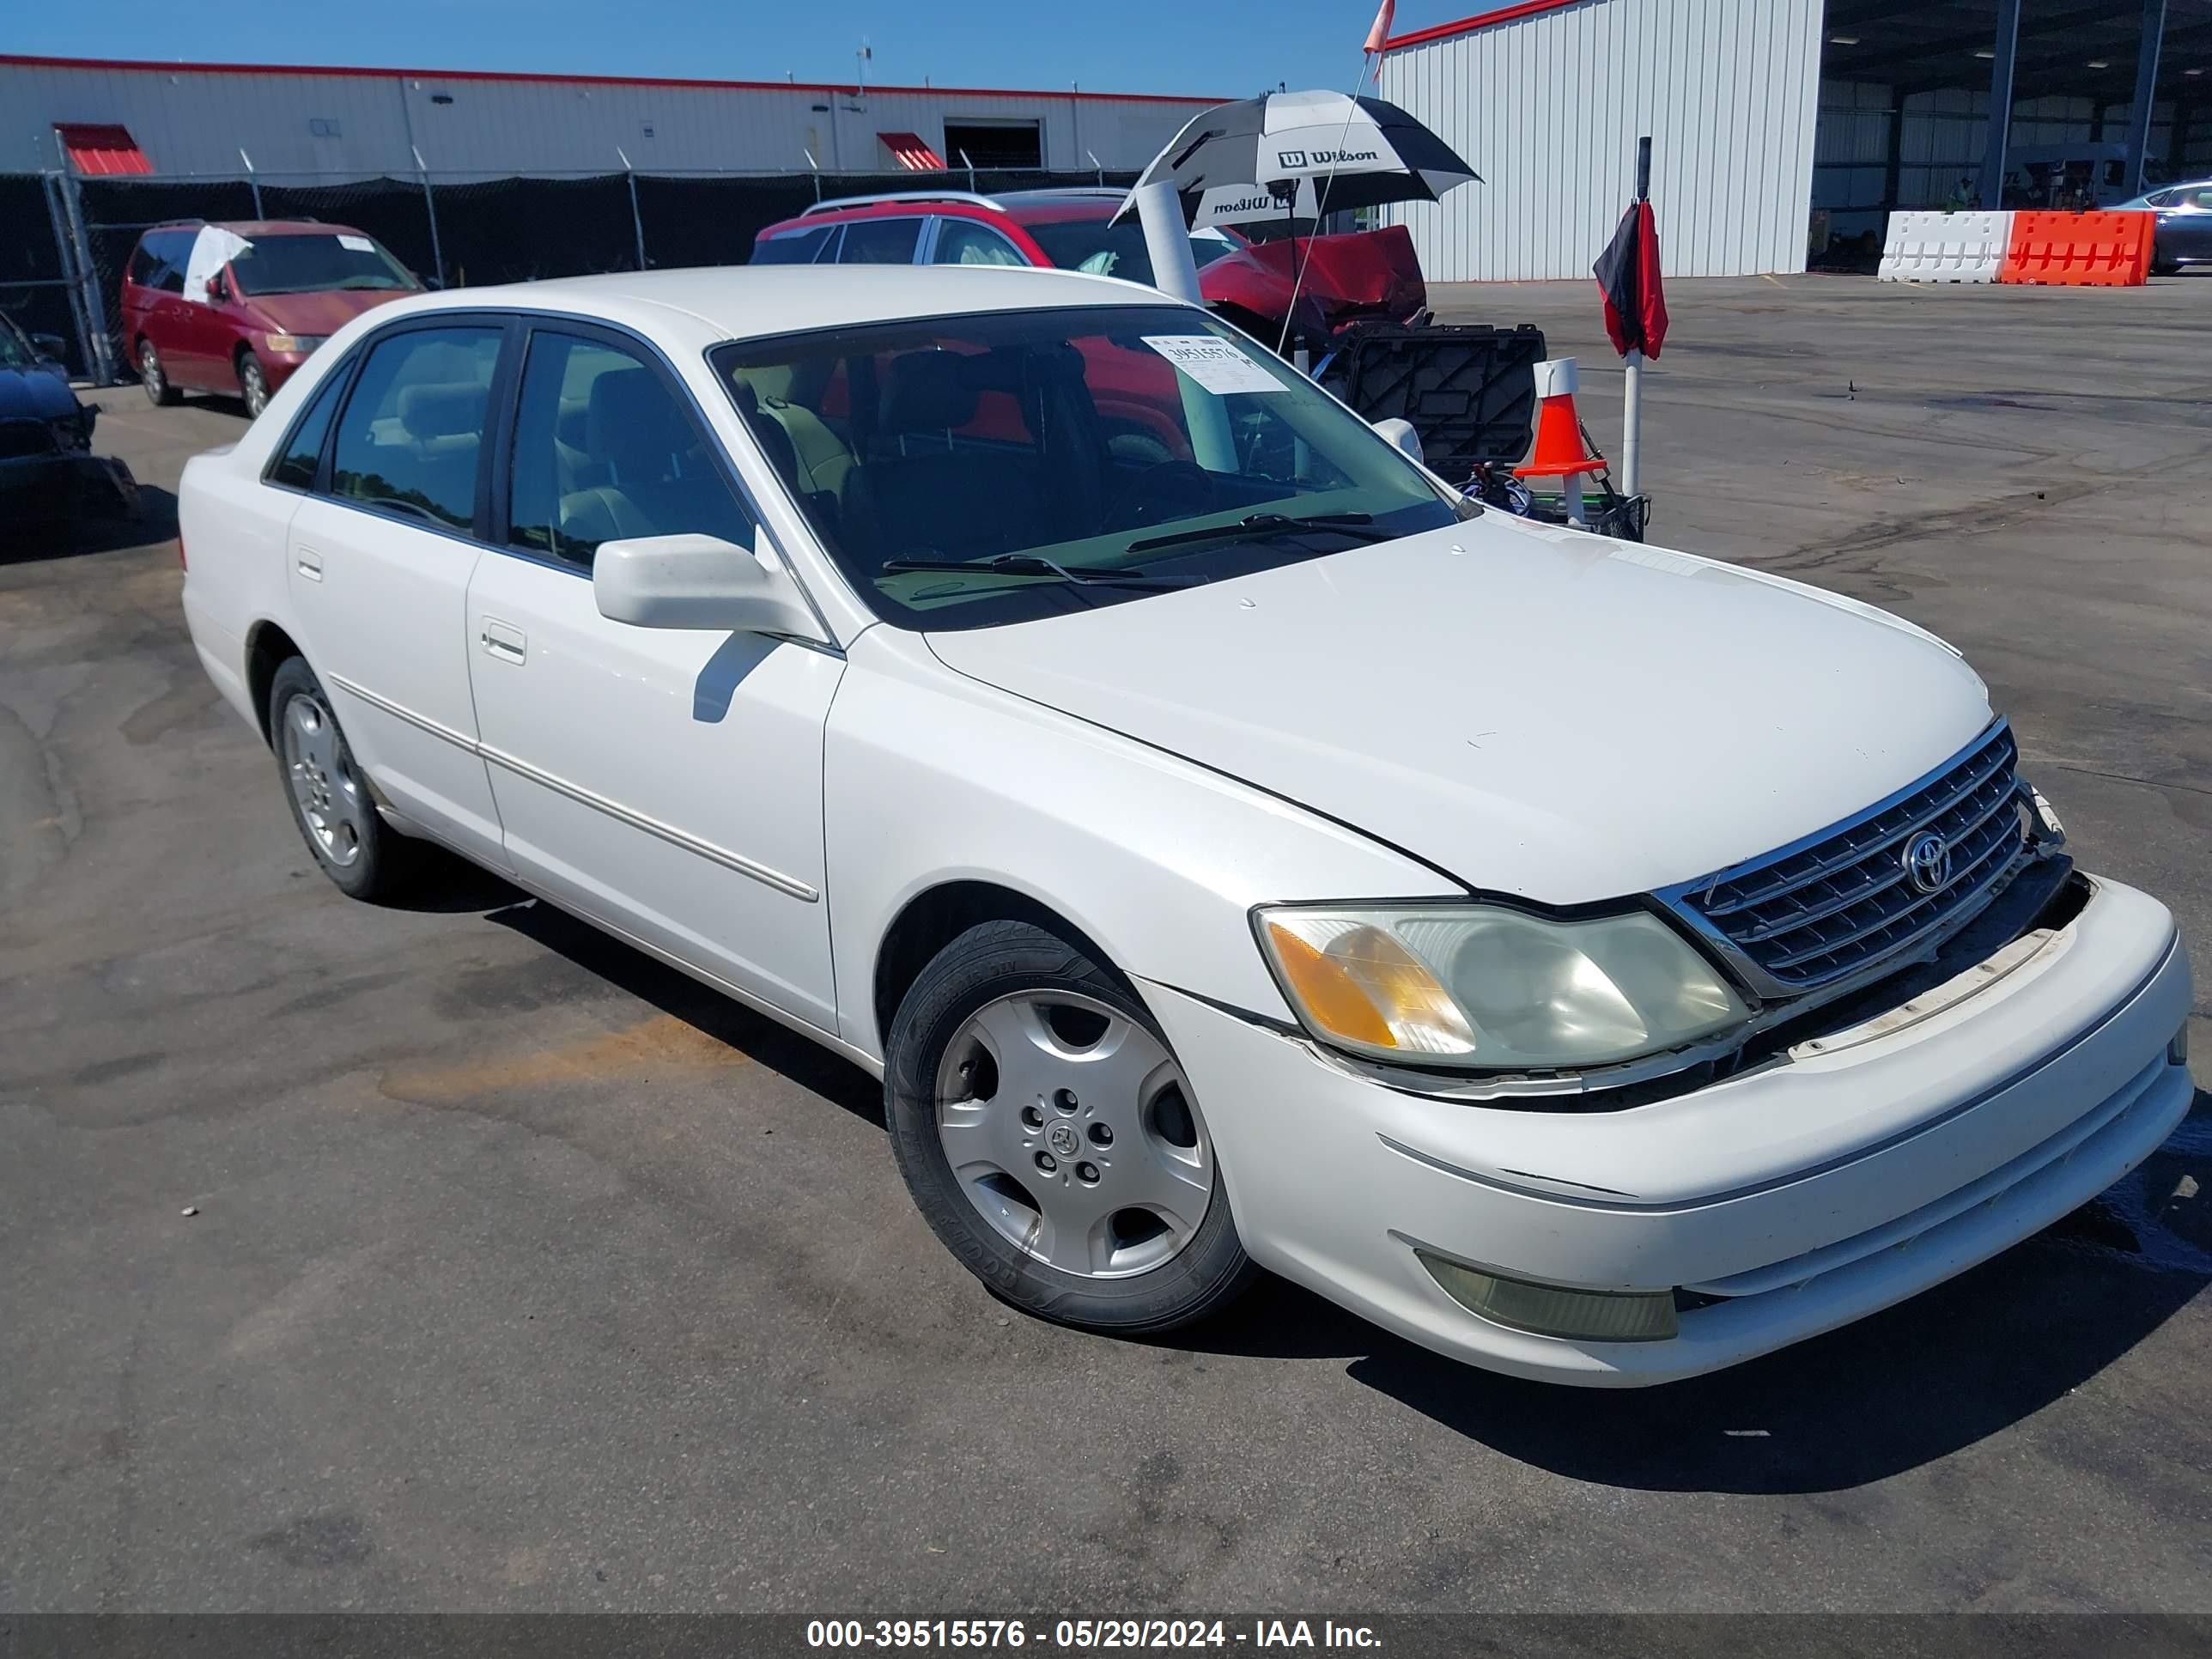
(1361, 274)
(1540, 713)
(38, 393)
(325, 312)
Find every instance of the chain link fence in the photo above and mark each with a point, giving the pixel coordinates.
(64, 240)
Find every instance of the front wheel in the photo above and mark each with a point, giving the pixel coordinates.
(252, 385)
(1051, 1141)
(330, 800)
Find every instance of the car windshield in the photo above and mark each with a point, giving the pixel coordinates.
(1116, 250)
(970, 471)
(310, 262)
(14, 351)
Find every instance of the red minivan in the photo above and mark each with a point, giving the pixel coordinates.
(237, 308)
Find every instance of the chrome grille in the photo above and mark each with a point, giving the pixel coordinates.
(1845, 899)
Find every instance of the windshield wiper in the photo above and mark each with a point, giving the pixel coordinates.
(1031, 564)
(1360, 527)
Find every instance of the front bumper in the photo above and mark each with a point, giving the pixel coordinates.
(66, 485)
(1788, 1200)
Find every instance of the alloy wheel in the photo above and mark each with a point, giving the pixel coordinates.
(331, 799)
(1071, 1130)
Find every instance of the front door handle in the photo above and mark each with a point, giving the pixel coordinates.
(309, 564)
(505, 641)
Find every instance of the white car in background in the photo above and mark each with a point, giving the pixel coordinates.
(1229, 845)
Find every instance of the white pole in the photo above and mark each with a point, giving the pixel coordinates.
(1632, 424)
(1175, 269)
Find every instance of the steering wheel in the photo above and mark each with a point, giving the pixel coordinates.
(1163, 485)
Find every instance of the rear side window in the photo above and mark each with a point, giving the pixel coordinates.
(158, 261)
(412, 437)
(799, 247)
(879, 242)
(294, 465)
(964, 242)
(604, 450)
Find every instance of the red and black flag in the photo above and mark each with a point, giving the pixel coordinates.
(1628, 276)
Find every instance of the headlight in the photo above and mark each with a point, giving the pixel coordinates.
(1479, 985)
(296, 341)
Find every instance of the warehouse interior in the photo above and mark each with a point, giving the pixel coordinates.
(1906, 86)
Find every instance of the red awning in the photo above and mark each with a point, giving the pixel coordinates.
(95, 149)
(907, 150)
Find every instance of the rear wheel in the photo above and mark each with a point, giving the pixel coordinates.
(252, 385)
(1050, 1138)
(330, 800)
(155, 378)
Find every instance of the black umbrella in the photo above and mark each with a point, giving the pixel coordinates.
(1327, 152)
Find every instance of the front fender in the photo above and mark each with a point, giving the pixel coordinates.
(930, 777)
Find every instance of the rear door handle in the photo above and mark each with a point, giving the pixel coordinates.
(504, 641)
(310, 563)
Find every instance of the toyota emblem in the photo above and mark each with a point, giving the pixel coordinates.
(1928, 862)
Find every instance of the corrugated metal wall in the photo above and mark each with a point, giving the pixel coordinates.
(1548, 107)
(190, 120)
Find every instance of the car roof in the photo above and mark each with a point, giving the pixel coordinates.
(252, 227)
(739, 302)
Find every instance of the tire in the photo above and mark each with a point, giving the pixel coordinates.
(1127, 1234)
(156, 378)
(252, 385)
(330, 803)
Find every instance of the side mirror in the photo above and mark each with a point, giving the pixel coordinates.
(698, 581)
(1402, 433)
(216, 287)
(51, 347)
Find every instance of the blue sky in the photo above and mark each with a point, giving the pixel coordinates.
(1231, 48)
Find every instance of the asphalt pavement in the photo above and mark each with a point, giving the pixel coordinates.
(520, 1273)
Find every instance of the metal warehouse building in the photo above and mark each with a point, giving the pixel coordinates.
(181, 119)
(1781, 125)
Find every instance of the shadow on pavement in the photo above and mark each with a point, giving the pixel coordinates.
(806, 1062)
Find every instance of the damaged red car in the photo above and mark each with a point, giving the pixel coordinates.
(1352, 277)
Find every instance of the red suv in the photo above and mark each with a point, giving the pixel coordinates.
(1349, 278)
(237, 308)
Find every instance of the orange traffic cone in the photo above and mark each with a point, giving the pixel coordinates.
(1559, 450)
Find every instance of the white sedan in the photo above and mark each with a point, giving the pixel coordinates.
(1232, 848)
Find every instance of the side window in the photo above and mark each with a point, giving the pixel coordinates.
(171, 250)
(879, 242)
(412, 433)
(604, 450)
(964, 242)
(294, 464)
(797, 247)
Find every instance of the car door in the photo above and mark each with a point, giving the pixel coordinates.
(378, 561)
(2186, 226)
(666, 782)
(169, 318)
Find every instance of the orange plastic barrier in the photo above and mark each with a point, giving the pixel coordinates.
(2079, 250)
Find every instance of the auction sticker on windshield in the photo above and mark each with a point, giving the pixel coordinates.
(356, 244)
(1215, 364)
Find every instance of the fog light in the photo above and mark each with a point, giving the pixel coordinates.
(1550, 1311)
(2176, 1052)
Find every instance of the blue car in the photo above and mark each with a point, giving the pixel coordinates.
(47, 469)
(2185, 224)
